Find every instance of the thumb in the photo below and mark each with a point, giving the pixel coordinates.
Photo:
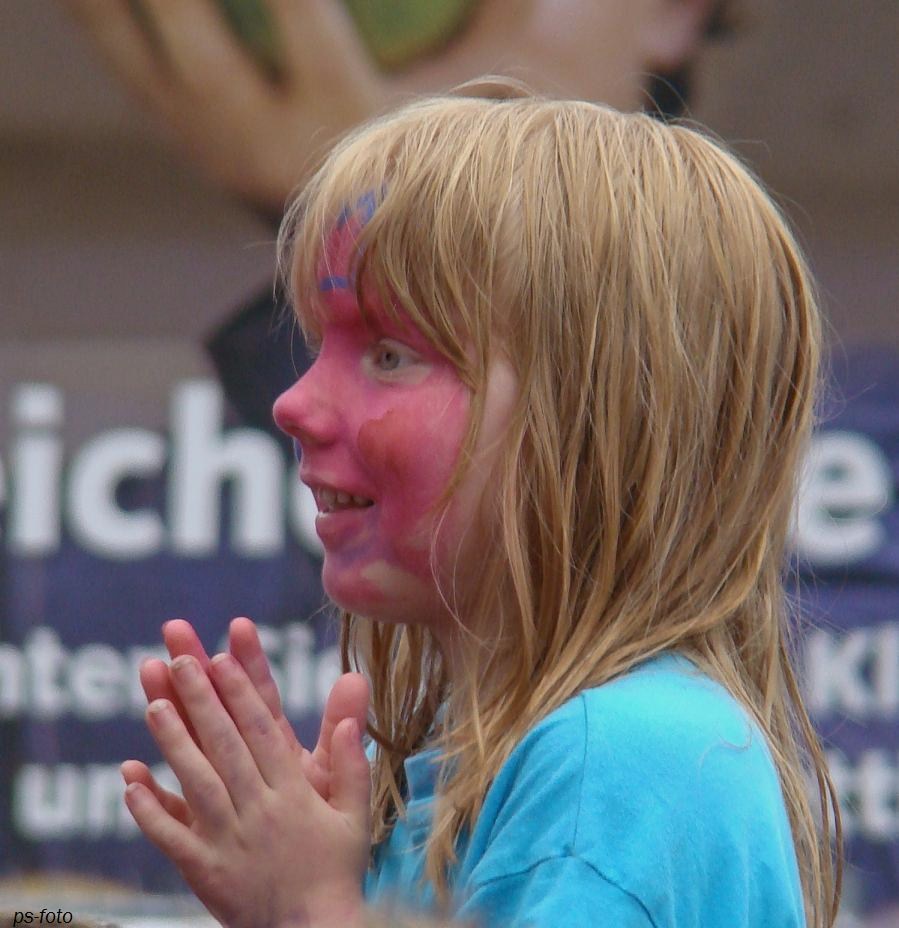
(350, 773)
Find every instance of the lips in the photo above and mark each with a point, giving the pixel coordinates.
(344, 528)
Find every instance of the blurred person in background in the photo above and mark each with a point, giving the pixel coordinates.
(256, 112)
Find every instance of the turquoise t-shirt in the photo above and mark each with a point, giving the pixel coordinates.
(648, 802)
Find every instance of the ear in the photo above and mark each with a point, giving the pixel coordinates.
(673, 34)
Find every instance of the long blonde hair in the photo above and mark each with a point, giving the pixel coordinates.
(664, 330)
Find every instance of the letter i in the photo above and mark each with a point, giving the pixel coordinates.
(36, 469)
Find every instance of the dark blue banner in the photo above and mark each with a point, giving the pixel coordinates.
(206, 520)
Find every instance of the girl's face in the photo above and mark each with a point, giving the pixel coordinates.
(381, 415)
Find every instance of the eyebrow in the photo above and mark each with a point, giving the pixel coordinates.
(335, 282)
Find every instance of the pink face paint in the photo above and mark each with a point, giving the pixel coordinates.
(390, 433)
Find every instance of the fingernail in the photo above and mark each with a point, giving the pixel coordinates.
(159, 708)
(223, 663)
(184, 666)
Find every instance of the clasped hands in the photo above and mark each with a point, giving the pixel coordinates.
(268, 834)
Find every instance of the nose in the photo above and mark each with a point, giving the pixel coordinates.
(304, 413)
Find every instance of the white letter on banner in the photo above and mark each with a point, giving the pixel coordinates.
(203, 458)
(45, 801)
(35, 470)
(46, 658)
(93, 514)
(98, 681)
(885, 672)
(846, 483)
(834, 673)
(876, 780)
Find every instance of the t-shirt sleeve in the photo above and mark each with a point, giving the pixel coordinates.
(561, 892)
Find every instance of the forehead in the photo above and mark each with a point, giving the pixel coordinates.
(340, 245)
(336, 276)
(334, 272)
(336, 283)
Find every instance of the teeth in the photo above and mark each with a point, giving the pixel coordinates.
(329, 500)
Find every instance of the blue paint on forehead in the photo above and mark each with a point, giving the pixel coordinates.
(363, 211)
(334, 282)
(366, 205)
(343, 217)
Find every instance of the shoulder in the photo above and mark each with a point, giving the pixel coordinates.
(657, 780)
(663, 718)
(666, 745)
(666, 717)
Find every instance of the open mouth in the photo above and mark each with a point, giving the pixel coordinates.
(329, 501)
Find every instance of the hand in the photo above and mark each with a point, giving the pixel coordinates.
(261, 140)
(348, 699)
(260, 846)
(255, 137)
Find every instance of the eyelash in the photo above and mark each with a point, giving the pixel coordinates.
(313, 349)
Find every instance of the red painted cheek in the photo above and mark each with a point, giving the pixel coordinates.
(412, 455)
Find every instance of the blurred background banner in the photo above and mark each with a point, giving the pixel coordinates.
(846, 545)
(145, 158)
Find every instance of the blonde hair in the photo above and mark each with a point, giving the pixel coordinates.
(664, 330)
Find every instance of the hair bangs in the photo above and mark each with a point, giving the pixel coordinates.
(377, 180)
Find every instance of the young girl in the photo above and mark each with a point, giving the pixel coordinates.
(566, 378)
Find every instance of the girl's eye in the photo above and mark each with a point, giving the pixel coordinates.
(390, 356)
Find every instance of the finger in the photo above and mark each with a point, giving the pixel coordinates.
(124, 43)
(350, 774)
(205, 793)
(134, 771)
(322, 46)
(272, 755)
(205, 56)
(172, 837)
(247, 649)
(180, 638)
(221, 740)
(154, 678)
(319, 778)
(349, 698)
(157, 684)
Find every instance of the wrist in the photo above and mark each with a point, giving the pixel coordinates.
(344, 911)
